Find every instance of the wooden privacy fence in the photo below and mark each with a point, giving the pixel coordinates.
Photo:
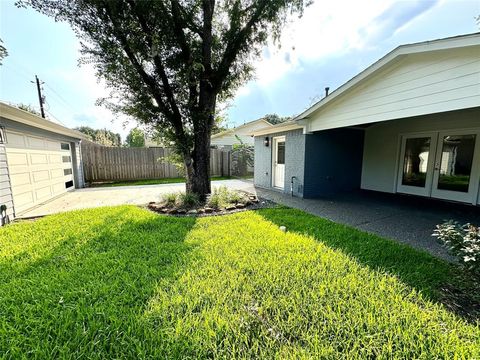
(104, 163)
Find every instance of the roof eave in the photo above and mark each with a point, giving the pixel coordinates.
(24, 117)
(400, 51)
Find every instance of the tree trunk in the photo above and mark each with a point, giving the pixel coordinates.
(197, 163)
(198, 167)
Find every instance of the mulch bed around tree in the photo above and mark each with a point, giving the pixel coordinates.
(253, 204)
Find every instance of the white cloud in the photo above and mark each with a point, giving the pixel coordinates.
(327, 27)
(85, 112)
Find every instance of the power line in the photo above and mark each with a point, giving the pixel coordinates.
(55, 118)
(72, 107)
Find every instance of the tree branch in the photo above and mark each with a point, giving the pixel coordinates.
(234, 46)
(176, 117)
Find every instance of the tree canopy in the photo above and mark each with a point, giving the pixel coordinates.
(29, 108)
(101, 136)
(135, 138)
(3, 52)
(276, 119)
(168, 62)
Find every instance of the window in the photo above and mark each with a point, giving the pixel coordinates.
(65, 146)
(66, 159)
(281, 153)
(3, 139)
(68, 184)
(67, 172)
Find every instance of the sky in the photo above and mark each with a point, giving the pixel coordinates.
(331, 43)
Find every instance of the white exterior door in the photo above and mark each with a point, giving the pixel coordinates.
(416, 164)
(278, 172)
(40, 168)
(444, 165)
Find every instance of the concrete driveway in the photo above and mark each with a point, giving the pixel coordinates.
(121, 195)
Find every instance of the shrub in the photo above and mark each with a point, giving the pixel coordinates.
(170, 199)
(187, 200)
(463, 241)
(222, 197)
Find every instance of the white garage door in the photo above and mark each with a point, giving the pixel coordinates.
(40, 168)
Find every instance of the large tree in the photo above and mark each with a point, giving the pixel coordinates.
(101, 136)
(135, 138)
(168, 62)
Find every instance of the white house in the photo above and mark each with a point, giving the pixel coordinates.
(227, 138)
(409, 123)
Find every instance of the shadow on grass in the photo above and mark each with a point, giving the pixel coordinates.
(84, 294)
(437, 279)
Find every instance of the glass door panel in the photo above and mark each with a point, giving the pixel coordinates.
(416, 164)
(415, 161)
(455, 175)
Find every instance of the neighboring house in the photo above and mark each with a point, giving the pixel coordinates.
(151, 143)
(409, 123)
(226, 139)
(39, 160)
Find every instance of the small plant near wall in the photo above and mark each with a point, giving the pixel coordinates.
(463, 241)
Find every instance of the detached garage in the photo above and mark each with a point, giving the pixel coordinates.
(39, 160)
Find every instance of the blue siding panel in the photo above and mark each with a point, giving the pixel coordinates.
(333, 161)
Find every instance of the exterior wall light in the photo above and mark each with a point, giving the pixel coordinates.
(266, 142)
(3, 136)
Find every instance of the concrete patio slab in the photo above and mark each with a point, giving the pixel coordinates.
(410, 220)
(121, 195)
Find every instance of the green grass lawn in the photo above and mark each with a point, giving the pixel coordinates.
(152, 181)
(123, 282)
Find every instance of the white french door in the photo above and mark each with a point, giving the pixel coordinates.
(444, 165)
(278, 163)
(457, 165)
(416, 166)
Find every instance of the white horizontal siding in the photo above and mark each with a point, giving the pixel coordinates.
(230, 139)
(382, 142)
(243, 132)
(5, 188)
(417, 84)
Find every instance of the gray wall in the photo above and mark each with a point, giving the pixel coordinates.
(333, 161)
(294, 161)
(382, 144)
(5, 188)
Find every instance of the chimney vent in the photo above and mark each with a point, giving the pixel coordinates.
(326, 91)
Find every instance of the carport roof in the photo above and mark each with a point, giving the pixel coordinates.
(402, 50)
(21, 116)
(302, 120)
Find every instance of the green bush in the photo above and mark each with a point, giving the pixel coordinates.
(170, 199)
(187, 200)
(222, 197)
(463, 241)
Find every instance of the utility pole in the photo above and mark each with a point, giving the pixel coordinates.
(40, 97)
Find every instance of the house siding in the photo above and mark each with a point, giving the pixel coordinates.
(5, 187)
(76, 148)
(413, 85)
(333, 161)
(382, 144)
(294, 161)
(228, 138)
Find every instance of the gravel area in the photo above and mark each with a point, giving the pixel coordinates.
(408, 219)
